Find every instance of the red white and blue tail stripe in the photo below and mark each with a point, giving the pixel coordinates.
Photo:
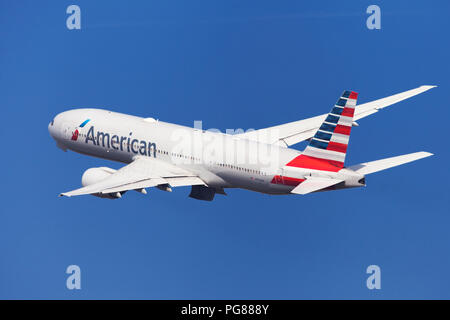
(327, 149)
(331, 140)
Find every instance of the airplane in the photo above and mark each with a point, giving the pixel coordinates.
(165, 155)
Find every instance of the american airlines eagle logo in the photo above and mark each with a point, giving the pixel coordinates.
(76, 133)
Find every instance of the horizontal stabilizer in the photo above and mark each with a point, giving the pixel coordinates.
(383, 164)
(315, 184)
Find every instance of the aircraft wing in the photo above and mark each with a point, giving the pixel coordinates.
(141, 173)
(294, 132)
(314, 184)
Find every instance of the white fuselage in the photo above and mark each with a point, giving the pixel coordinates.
(220, 160)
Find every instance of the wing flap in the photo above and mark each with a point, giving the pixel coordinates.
(172, 181)
(136, 185)
(141, 173)
(315, 184)
(299, 137)
(184, 181)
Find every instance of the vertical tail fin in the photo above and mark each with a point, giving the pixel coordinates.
(331, 140)
(328, 147)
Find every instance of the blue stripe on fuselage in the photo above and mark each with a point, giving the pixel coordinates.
(84, 123)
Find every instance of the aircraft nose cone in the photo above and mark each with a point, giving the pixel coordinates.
(54, 127)
(51, 128)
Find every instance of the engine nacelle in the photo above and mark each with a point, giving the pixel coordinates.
(95, 175)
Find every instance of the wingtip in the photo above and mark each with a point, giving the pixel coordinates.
(424, 154)
(428, 87)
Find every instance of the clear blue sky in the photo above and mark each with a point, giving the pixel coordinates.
(232, 64)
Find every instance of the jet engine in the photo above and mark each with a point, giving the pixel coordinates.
(95, 175)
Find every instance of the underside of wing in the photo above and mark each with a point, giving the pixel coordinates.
(294, 132)
(141, 173)
(315, 184)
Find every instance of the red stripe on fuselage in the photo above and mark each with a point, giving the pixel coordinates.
(277, 180)
(308, 162)
(287, 181)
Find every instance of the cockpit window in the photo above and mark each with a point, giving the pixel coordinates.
(51, 123)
